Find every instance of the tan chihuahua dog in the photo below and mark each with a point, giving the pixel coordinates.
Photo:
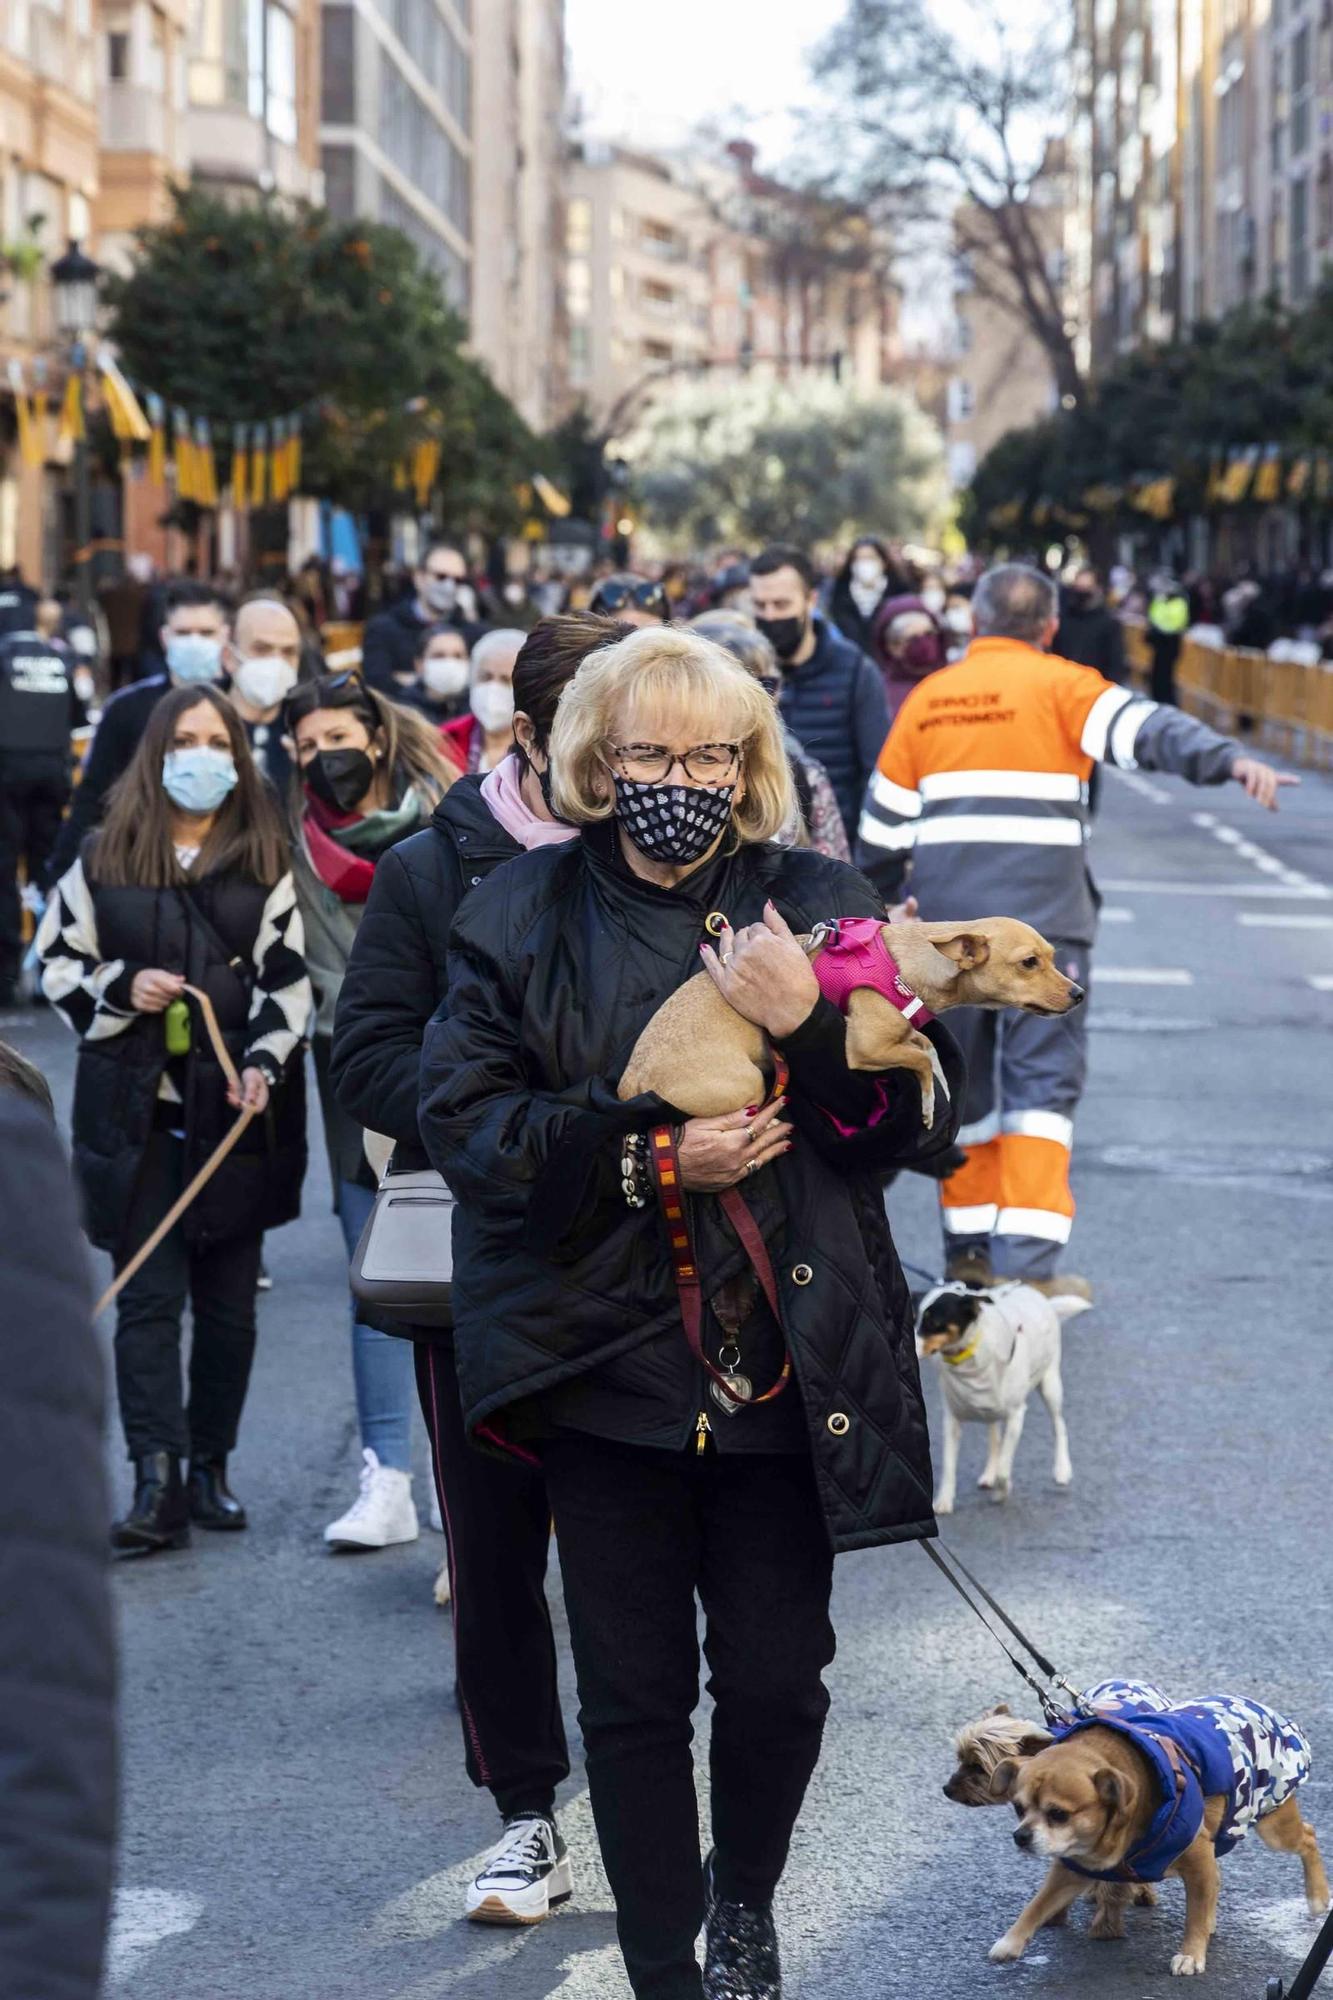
(1001, 1742)
(1093, 1799)
(700, 1055)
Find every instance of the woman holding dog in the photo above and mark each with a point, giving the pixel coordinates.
(187, 885)
(695, 1438)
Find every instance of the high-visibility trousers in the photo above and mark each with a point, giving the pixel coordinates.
(1025, 1074)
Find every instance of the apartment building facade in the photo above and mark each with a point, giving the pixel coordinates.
(48, 184)
(1203, 135)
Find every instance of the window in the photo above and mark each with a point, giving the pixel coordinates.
(1300, 90)
(117, 56)
(578, 287)
(280, 80)
(1299, 249)
(578, 226)
(580, 356)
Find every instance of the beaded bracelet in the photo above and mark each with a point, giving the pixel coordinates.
(634, 1169)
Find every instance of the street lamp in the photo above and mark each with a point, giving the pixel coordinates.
(74, 278)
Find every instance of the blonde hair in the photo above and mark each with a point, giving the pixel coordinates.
(675, 674)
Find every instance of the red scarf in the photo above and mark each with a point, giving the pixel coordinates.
(348, 875)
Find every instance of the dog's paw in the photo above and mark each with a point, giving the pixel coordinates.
(1064, 1475)
(928, 1106)
(1145, 1896)
(986, 1481)
(1006, 1949)
(1317, 1905)
(944, 1503)
(1107, 1924)
(1000, 1492)
(1185, 1965)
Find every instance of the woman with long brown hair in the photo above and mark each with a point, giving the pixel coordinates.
(187, 884)
(368, 774)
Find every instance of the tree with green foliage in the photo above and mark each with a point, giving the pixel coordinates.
(802, 459)
(243, 314)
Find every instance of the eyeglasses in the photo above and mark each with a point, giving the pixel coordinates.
(652, 764)
(643, 596)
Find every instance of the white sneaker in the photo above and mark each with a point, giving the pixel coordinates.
(382, 1513)
(436, 1517)
(443, 1592)
(524, 1876)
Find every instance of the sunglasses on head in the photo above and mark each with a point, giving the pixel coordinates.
(643, 596)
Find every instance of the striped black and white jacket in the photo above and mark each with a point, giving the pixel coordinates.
(981, 790)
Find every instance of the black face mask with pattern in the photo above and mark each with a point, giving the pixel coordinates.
(672, 822)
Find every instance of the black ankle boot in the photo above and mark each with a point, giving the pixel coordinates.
(158, 1517)
(212, 1503)
(740, 1948)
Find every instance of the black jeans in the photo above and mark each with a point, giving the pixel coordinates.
(640, 1531)
(220, 1286)
(497, 1524)
(32, 798)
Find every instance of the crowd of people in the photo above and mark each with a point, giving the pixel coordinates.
(464, 873)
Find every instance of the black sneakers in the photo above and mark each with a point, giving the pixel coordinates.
(525, 1875)
(740, 1948)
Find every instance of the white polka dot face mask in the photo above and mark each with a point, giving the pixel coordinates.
(672, 822)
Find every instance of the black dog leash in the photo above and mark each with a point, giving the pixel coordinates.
(1054, 1714)
(1308, 1977)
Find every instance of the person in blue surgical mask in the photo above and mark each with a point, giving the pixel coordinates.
(194, 636)
(186, 887)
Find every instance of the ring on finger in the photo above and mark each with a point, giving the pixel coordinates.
(726, 957)
(753, 1166)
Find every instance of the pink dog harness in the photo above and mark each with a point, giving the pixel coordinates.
(852, 953)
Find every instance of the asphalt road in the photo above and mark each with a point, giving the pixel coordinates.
(297, 1825)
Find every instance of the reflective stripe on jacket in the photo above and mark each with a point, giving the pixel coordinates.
(983, 784)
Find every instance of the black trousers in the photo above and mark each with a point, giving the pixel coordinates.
(219, 1284)
(32, 799)
(640, 1532)
(1165, 649)
(497, 1524)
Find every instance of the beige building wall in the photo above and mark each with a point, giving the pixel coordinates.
(637, 277)
(517, 314)
(1000, 377)
(48, 184)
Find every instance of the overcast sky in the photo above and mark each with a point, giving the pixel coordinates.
(652, 69)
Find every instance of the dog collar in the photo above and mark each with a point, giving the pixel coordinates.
(964, 1354)
(849, 952)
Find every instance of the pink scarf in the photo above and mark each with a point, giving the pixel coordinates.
(502, 790)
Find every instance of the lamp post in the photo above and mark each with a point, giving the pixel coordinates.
(74, 278)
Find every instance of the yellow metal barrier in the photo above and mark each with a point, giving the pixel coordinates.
(1277, 702)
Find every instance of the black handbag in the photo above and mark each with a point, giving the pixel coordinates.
(403, 1265)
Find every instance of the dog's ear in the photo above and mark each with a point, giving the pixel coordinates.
(967, 949)
(1035, 1742)
(1000, 1708)
(1003, 1776)
(967, 1310)
(1109, 1787)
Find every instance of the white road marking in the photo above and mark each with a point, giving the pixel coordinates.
(1287, 920)
(1142, 975)
(1146, 789)
(1303, 890)
(1246, 849)
(1113, 913)
(142, 1919)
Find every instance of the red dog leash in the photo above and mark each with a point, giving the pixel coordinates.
(689, 1290)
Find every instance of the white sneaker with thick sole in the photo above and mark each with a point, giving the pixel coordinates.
(382, 1513)
(525, 1875)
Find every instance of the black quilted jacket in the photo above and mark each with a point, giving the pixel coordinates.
(556, 963)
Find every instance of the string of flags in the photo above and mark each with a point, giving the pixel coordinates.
(265, 461)
(1255, 475)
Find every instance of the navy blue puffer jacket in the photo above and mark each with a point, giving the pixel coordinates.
(836, 704)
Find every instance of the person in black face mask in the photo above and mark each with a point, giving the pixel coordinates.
(832, 695)
(592, 1322)
(368, 774)
(1089, 634)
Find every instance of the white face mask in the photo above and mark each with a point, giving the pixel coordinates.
(959, 619)
(265, 682)
(868, 571)
(493, 704)
(933, 598)
(444, 675)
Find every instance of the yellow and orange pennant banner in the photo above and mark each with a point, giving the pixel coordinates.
(73, 429)
(258, 465)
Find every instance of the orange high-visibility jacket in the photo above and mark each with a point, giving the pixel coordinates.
(982, 785)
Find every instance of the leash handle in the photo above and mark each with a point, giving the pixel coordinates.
(205, 1173)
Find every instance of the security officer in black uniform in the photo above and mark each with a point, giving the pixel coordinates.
(38, 709)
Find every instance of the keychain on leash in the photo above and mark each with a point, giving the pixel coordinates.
(177, 1042)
